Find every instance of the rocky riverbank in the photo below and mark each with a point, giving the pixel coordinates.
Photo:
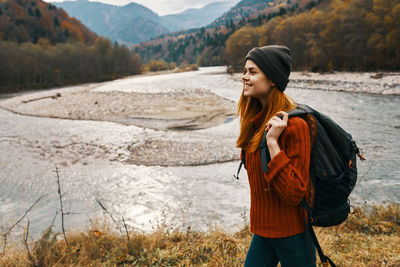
(144, 172)
(386, 83)
(175, 114)
(163, 124)
(194, 109)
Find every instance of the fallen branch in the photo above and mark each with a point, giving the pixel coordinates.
(40, 98)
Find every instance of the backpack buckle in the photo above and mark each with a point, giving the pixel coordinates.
(358, 150)
(360, 154)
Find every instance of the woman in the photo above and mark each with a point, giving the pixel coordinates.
(276, 218)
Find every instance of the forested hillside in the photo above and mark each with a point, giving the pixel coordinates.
(351, 35)
(247, 8)
(30, 20)
(41, 46)
(205, 46)
(322, 34)
(197, 17)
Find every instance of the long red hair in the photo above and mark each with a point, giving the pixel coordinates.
(249, 137)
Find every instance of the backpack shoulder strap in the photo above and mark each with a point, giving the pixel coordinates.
(264, 152)
(310, 231)
(302, 109)
(242, 162)
(308, 114)
(296, 112)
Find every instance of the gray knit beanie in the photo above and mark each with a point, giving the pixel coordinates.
(275, 61)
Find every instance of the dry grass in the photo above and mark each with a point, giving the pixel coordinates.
(370, 237)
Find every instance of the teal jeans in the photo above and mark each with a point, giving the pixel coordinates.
(292, 251)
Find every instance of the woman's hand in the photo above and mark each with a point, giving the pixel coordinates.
(275, 127)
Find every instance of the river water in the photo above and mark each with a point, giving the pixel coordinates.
(87, 153)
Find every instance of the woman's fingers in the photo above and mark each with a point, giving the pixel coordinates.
(267, 126)
(276, 121)
(284, 114)
(271, 123)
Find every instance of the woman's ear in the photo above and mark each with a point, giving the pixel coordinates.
(271, 83)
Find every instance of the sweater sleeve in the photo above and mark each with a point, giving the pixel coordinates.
(288, 171)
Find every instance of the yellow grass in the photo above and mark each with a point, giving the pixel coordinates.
(369, 237)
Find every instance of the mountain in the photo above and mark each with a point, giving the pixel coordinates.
(197, 17)
(32, 20)
(205, 46)
(259, 9)
(137, 30)
(245, 8)
(134, 23)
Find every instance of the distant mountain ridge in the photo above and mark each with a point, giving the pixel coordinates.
(251, 8)
(108, 20)
(197, 17)
(134, 23)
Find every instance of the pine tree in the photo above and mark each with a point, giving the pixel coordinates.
(38, 13)
(56, 22)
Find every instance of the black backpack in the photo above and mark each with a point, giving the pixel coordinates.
(333, 171)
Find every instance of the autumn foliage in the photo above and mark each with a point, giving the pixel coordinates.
(30, 20)
(205, 46)
(324, 35)
(362, 35)
(41, 46)
(29, 66)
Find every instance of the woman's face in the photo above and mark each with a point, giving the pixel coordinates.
(255, 82)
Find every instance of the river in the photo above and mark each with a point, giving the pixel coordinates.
(177, 196)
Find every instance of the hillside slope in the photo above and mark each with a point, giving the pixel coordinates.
(134, 23)
(119, 23)
(31, 20)
(197, 17)
(205, 46)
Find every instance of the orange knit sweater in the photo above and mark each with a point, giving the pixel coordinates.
(275, 212)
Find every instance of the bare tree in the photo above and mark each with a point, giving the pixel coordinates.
(61, 207)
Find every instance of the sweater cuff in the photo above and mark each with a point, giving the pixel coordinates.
(276, 164)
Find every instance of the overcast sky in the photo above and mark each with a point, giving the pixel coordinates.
(161, 7)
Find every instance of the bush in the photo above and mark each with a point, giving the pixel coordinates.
(158, 65)
(369, 237)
